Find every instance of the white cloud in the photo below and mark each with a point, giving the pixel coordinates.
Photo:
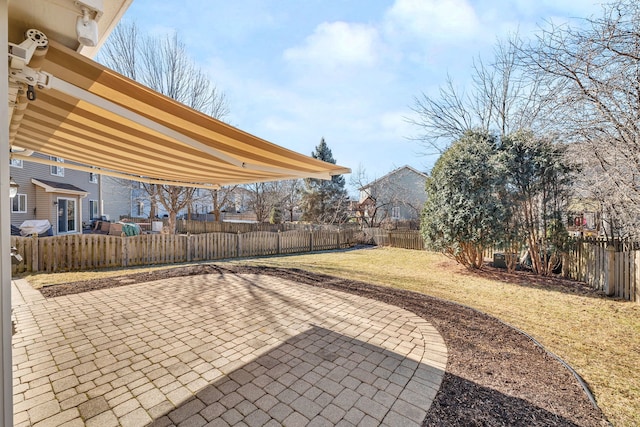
(335, 45)
(433, 19)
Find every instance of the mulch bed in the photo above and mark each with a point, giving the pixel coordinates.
(495, 376)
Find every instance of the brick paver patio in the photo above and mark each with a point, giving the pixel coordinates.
(220, 350)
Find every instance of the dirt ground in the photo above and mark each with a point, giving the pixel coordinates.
(496, 375)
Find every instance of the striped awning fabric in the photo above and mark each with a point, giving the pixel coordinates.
(97, 117)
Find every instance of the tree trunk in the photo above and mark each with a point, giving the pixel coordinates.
(172, 222)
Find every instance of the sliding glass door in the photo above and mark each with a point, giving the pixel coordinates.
(67, 216)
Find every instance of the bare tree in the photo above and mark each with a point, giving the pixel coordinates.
(261, 199)
(598, 66)
(291, 196)
(378, 197)
(152, 193)
(221, 198)
(370, 211)
(174, 199)
(282, 195)
(162, 64)
(504, 97)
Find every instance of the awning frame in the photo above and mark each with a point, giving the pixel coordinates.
(84, 107)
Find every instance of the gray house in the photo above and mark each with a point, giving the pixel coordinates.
(124, 198)
(66, 198)
(397, 197)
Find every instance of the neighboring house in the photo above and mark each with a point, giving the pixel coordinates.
(396, 197)
(67, 198)
(585, 218)
(123, 198)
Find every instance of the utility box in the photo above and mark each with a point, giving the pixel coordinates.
(499, 260)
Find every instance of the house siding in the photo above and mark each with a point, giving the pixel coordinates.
(117, 197)
(400, 192)
(40, 203)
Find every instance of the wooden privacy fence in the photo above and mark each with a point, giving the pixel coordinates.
(185, 226)
(405, 239)
(94, 251)
(613, 268)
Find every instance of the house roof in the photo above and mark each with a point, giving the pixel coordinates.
(95, 116)
(59, 187)
(393, 172)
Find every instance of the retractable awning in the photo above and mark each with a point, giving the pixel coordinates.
(95, 116)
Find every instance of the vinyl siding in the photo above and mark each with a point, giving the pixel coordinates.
(39, 203)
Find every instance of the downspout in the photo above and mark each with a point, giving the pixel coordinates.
(6, 374)
(100, 201)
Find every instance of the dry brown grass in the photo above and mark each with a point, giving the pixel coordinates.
(598, 337)
(38, 280)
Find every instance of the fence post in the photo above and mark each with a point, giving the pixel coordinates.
(188, 247)
(636, 287)
(611, 267)
(125, 251)
(278, 244)
(35, 252)
(238, 245)
(311, 241)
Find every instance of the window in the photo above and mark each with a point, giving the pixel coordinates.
(66, 215)
(140, 209)
(16, 163)
(93, 177)
(93, 209)
(57, 170)
(19, 204)
(395, 212)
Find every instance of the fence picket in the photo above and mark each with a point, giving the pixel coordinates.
(588, 260)
(91, 251)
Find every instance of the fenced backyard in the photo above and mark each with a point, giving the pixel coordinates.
(94, 251)
(613, 269)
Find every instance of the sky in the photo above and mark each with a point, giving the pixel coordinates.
(348, 71)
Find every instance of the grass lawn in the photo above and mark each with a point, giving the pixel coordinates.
(598, 337)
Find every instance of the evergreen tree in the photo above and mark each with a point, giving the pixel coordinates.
(324, 201)
(464, 214)
(489, 192)
(275, 217)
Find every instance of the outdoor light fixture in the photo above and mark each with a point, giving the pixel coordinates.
(86, 24)
(13, 188)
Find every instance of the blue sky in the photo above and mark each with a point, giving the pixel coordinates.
(295, 71)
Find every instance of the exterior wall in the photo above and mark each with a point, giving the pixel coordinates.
(44, 207)
(39, 203)
(117, 197)
(47, 208)
(399, 195)
(23, 178)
